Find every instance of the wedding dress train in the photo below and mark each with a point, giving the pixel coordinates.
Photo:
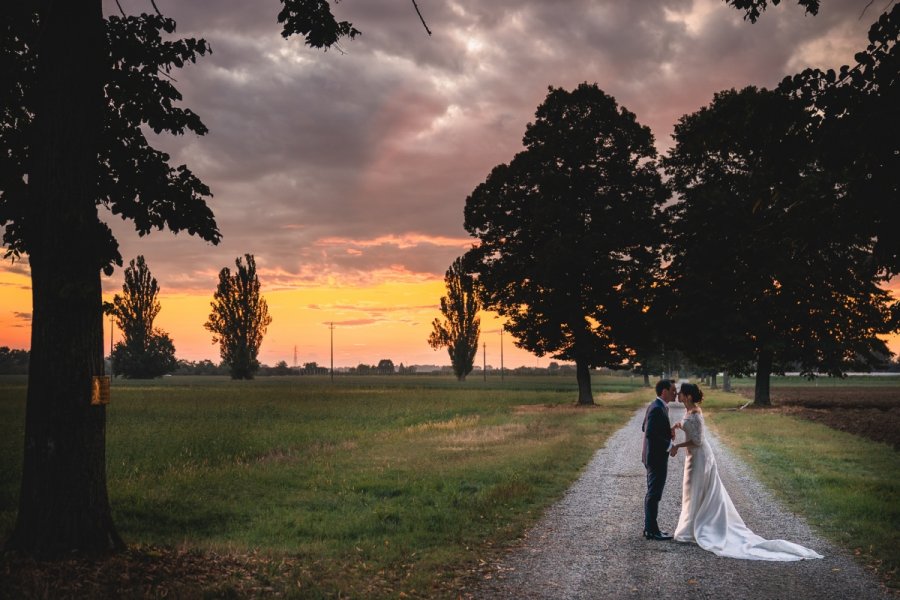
(708, 516)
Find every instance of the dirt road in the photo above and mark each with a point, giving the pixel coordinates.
(589, 545)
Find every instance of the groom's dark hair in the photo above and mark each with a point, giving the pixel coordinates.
(663, 384)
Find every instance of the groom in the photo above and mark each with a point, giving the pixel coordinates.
(657, 441)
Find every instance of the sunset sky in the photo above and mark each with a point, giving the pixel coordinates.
(346, 172)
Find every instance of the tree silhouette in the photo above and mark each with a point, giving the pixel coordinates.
(568, 232)
(145, 352)
(857, 127)
(155, 359)
(754, 8)
(137, 307)
(77, 91)
(459, 330)
(755, 271)
(13, 361)
(239, 318)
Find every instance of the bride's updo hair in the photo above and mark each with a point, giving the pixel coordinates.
(690, 389)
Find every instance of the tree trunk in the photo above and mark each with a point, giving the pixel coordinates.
(646, 379)
(726, 382)
(63, 505)
(583, 374)
(763, 374)
(713, 385)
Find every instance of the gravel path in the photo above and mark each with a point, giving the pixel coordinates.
(588, 545)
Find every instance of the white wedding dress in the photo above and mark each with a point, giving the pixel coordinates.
(708, 516)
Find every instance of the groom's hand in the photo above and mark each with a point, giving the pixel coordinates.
(673, 451)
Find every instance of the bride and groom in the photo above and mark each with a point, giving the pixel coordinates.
(708, 516)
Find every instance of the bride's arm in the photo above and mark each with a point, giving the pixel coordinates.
(690, 436)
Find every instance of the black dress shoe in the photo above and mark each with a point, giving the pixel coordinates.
(659, 535)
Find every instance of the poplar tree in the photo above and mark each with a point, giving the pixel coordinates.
(239, 318)
(145, 352)
(459, 330)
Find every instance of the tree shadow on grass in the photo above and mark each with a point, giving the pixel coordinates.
(172, 522)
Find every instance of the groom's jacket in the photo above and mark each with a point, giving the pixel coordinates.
(657, 433)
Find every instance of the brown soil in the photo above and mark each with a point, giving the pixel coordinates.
(869, 412)
(153, 572)
(139, 572)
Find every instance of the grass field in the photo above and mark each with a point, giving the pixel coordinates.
(382, 486)
(370, 485)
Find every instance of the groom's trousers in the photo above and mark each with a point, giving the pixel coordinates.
(656, 481)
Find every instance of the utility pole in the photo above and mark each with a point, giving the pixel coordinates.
(295, 356)
(501, 354)
(331, 327)
(110, 337)
(484, 360)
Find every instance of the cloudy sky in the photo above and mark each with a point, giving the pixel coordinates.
(346, 172)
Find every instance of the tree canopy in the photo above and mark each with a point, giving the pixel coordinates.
(754, 8)
(857, 128)
(135, 181)
(568, 232)
(755, 270)
(459, 330)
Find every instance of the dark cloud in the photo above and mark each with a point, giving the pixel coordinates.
(388, 138)
(353, 322)
(373, 310)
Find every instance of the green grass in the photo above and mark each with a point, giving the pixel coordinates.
(846, 486)
(401, 483)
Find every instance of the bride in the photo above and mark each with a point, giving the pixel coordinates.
(708, 516)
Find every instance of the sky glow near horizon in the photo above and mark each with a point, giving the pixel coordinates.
(346, 174)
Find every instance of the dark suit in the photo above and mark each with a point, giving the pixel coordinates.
(655, 456)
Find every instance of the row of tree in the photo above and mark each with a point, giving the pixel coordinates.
(13, 361)
(238, 321)
(772, 253)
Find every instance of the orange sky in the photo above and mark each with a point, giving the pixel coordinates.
(372, 322)
(346, 173)
(387, 320)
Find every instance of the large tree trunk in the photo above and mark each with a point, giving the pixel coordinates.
(713, 385)
(763, 375)
(63, 506)
(583, 375)
(646, 379)
(726, 382)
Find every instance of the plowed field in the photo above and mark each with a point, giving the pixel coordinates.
(870, 412)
